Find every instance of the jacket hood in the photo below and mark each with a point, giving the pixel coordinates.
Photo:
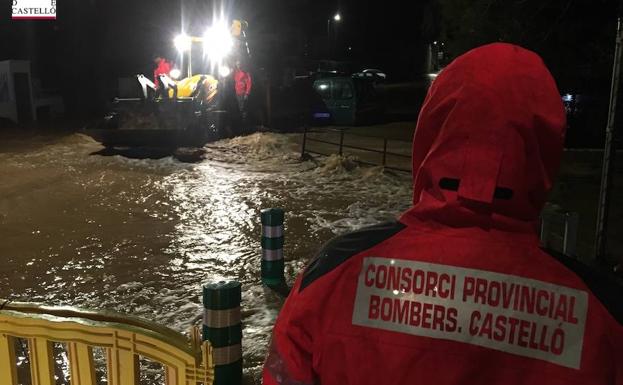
(488, 141)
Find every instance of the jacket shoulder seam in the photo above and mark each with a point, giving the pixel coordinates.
(341, 248)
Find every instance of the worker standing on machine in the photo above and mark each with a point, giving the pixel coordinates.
(163, 67)
(242, 80)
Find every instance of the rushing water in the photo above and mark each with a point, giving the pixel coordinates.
(140, 236)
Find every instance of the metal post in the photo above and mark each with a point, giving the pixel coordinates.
(570, 241)
(272, 247)
(544, 233)
(268, 103)
(384, 150)
(609, 152)
(190, 61)
(341, 140)
(429, 58)
(329, 37)
(222, 327)
(304, 142)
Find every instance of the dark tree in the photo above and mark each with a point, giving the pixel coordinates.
(575, 38)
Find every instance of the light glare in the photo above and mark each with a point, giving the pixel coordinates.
(217, 42)
(224, 71)
(175, 73)
(182, 42)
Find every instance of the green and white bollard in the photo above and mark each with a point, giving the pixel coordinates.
(272, 248)
(221, 326)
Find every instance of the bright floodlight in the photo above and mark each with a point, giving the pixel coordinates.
(175, 73)
(217, 42)
(224, 71)
(182, 42)
(337, 17)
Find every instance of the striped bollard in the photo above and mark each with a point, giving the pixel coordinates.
(272, 247)
(221, 326)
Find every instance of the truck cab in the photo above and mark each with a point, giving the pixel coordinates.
(348, 100)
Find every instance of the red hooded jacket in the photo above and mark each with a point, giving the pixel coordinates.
(458, 291)
(164, 67)
(242, 82)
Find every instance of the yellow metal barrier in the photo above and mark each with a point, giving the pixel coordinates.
(123, 338)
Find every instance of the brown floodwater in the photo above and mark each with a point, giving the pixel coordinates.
(141, 236)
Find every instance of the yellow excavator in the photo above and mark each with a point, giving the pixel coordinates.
(179, 113)
(187, 87)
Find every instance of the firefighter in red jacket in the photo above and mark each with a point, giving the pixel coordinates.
(458, 290)
(242, 84)
(163, 67)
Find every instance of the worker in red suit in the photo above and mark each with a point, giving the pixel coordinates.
(242, 85)
(458, 290)
(163, 67)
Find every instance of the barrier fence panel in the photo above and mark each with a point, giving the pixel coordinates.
(8, 371)
(123, 338)
(340, 146)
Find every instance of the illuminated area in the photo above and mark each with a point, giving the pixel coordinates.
(175, 73)
(182, 42)
(217, 42)
(224, 71)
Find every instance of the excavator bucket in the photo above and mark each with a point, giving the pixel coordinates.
(176, 114)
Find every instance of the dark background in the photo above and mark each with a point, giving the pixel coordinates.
(93, 42)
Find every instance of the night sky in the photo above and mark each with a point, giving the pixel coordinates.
(93, 42)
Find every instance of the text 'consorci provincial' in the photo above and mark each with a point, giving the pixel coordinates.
(498, 311)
